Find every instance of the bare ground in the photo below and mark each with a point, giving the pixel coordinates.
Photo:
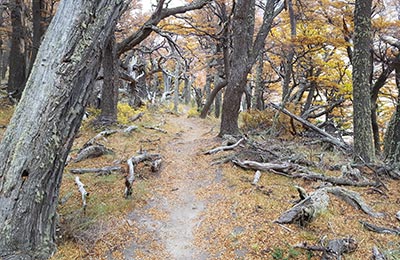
(170, 219)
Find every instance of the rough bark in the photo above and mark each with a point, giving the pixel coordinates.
(38, 27)
(392, 136)
(109, 93)
(258, 100)
(364, 150)
(244, 55)
(17, 62)
(38, 139)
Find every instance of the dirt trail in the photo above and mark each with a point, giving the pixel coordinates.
(169, 221)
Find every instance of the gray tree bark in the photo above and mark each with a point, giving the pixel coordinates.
(392, 136)
(37, 141)
(17, 62)
(244, 54)
(364, 150)
(109, 93)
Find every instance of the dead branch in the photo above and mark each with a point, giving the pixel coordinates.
(378, 229)
(335, 248)
(354, 199)
(84, 193)
(224, 148)
(306, 210)
(91, 152)
(102, 134)
(132, 162)
(156, 165)
(333, 140)
(136, 117)
(156, 128)
(257, 177)
(377, 255)
(286, 168)
(129, 129)
(100, 171)
(279, 168)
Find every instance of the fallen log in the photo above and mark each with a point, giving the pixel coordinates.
(102, 134)
(84, 193)
(92, 152)
(129, 129)
(280, 168)
(100, 171)
(136, 117)
(224, 148)
(331, 139)
(132, 162)
(377, 255)
(286, 169)
(354, 199)
(334, 249)
(379, 229)
(306, 210)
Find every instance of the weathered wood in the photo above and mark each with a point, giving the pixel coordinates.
(377, 255)
(224, 148)
(84, 193)
(292, 170)
(257, 177)
(92, 152)
(156, 165)
(136, 117)
(45, 122)
(132, 162)
(129, 129)
(156, 128)
(100, 171)
(306, 210)
(102, 134)
(379, 229)
(283, 168)
(333, 140)
(354, 199)
(335, 248)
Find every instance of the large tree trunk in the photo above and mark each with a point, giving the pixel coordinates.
(109, 93)
(364, 150)
(244, 54)
(37, 141)
(17, 62)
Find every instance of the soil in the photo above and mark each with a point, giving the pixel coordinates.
(171, 216)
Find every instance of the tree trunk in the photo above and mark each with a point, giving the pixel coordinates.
(217, 101)
(109, 93)
(364, 150)
(244, 55)
(17, 62)
(258, 100)
(288, 63)
(392, 136)
(37, 27)
(37, 141)
(176, 86)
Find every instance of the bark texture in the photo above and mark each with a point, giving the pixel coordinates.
(364, 150)
(17, 62)
(244, 54)
(36, 144)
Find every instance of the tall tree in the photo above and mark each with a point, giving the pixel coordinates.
(17, 62)
(243, 56)
(363, 138)
(38, 139)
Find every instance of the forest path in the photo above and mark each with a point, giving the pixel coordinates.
(167, 224)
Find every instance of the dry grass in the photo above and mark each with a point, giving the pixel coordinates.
(238, 220)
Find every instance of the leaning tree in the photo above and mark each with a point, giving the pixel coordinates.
(37, 141)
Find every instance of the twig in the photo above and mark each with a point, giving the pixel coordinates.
(84, 193)
(224, 148)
